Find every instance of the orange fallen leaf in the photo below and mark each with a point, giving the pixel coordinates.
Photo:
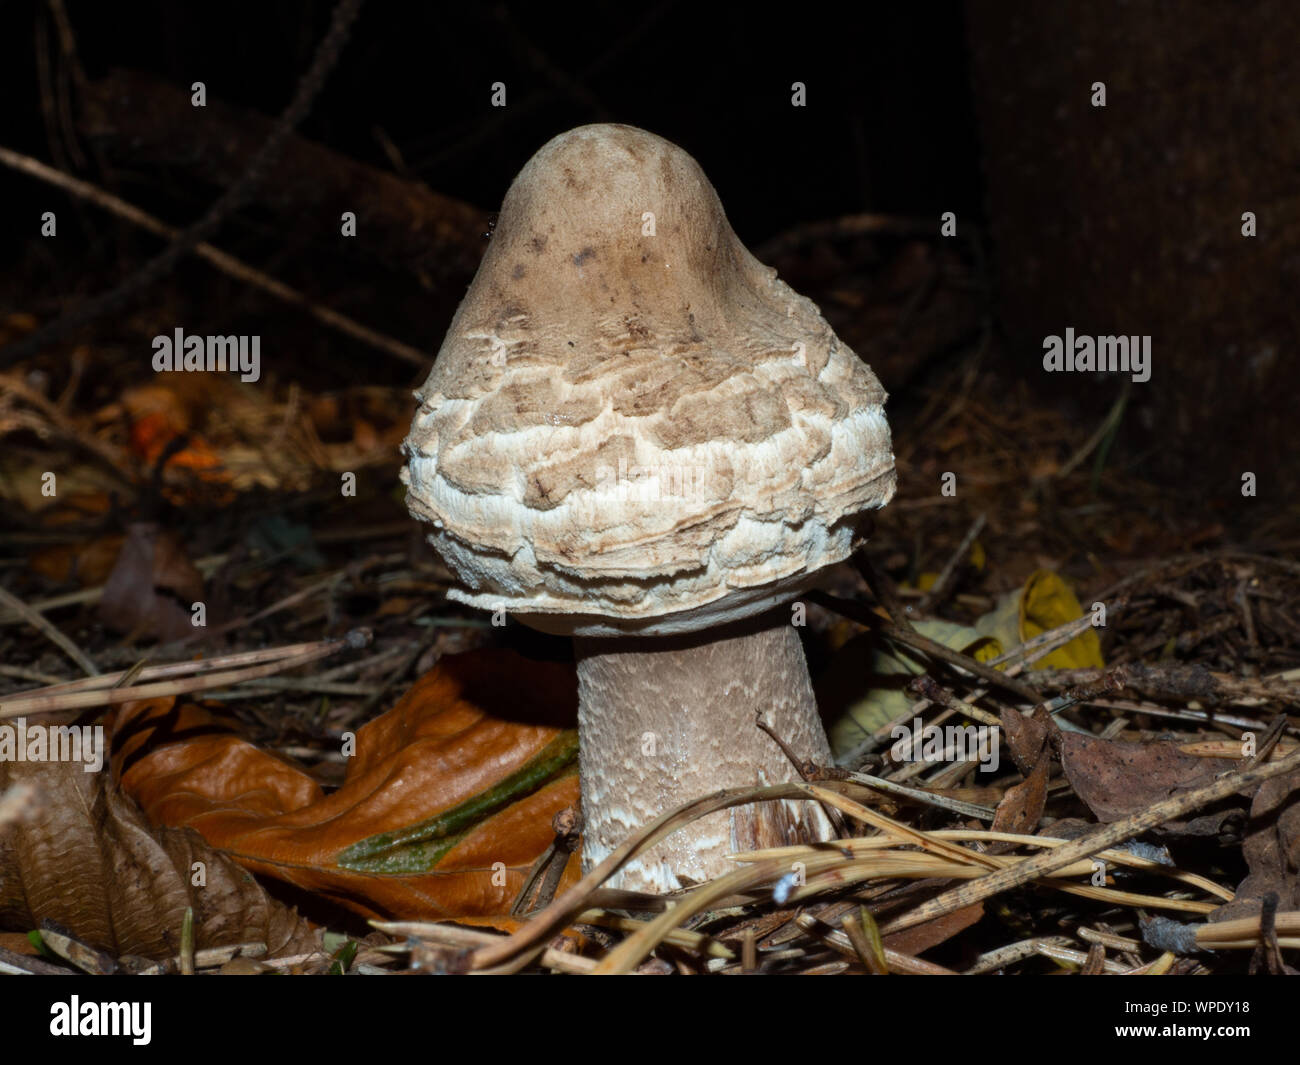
(159, 414)
(446, 805)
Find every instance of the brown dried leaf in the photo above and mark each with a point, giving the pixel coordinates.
(150, 581)
(1271, 850)
(89, 564)
(1117, 779)
(1023, 804)
(86, 859)
(1026, 736)
(922, 937)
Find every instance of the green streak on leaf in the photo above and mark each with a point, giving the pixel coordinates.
(343, 958)
(418, 848)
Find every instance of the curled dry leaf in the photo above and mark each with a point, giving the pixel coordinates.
(85, 858)
(1271, 850)
(1028, 737)
(1023, 804)
(445, 807)
(1045, 602)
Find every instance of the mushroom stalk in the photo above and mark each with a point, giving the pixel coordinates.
(665, 720)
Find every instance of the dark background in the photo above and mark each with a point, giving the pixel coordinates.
(1117, 220)
(888, 124)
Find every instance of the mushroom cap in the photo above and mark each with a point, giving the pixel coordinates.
(632, 424)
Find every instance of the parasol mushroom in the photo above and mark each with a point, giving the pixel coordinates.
(635, 434)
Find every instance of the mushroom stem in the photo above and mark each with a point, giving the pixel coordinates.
(664, 720)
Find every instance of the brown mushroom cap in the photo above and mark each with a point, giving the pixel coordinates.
(632, 424)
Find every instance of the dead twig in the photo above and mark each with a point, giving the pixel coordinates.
(46, 627)
(1087, 845)
(73, 696)
(234, 197)
(227, 264)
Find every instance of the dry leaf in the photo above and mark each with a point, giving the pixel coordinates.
(86, 859)
(159, 414)
(1023, 804)
(922, 937)
(1117, 779)
(1271, 850)
(89, 564)
(1027, 737)
(445, 806)
(152, 586)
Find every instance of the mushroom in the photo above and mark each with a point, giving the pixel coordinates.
(636, 435)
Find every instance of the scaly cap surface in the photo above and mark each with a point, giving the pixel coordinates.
(632, 424)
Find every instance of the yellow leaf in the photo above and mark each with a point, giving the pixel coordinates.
(1045, 602)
